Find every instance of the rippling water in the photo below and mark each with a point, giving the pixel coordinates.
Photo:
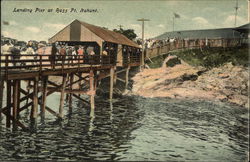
(134, 128)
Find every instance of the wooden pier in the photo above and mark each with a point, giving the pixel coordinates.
(75, 75)
(70, 72)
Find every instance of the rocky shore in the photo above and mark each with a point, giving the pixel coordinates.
(177, 79)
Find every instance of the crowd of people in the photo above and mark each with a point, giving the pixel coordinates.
(57, 51)
(187, 43)
(154, 43)
(63, 51)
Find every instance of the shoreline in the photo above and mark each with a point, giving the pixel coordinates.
(227, 83)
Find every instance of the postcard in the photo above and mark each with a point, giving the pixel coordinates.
(124, 80)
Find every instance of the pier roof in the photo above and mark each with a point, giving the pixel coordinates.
(101, 33)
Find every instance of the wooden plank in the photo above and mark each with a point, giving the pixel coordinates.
(111, 83)
(92, 89)
(8, 99)
(120, 71)
(25, 106)
(29, 83)
(62, 96)
(80, 82)
(22, 99)
(27, 74)
(115, 76)
(52, 83)
(16, 121)
(18, 98)
(44, 96)
(121, 80)
(59, 89)
(76, 81)
(1, 96)
(52, 112)
(79, 98)
(127, 77)
(70, 95)
(35, 99)
(15, 103)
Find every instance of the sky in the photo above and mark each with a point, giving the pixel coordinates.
(194, 14)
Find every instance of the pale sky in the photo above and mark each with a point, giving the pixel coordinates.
(194, 14)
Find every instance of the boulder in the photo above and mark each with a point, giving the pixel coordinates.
(171, 61)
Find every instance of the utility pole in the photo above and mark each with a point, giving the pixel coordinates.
(236, 12)
(142, 57)
(173, 23)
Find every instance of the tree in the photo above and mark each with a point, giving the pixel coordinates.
(129, 33)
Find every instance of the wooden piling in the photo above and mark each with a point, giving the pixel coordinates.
(92, 89)
(115, 75)
(18, 98)
(8, 99)
(80, 82)
(70, 95)
(15, 102)
(35, 100)
(44, 96)
(127, 77)
(1, 96)
(112, 71)
(28, 89)
(62, 96)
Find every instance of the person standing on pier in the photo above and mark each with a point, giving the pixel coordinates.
(53, 56)
(69, 52)
(80, 53)
(62, 53)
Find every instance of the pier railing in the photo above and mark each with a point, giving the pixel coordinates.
(192, 43)
(12, 62)
(132, 59)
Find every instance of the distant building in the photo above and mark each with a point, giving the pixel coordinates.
(243, 29)
(224, 33)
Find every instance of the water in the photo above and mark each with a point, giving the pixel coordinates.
(134, 128)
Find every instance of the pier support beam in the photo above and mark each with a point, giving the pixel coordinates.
(35, 101)
(8, 99)
(18, 99)
(115, 75)
(127, 77)
(71, 79)
(80, 82)
(44, 96)
(92, 89)
(1, 96)
(62, 96)
(112, 71)
(15, 102)
(28, 89)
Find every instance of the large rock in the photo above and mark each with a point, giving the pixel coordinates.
(171, 61)
(177, 79)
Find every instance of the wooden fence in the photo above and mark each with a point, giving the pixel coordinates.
(192, 43)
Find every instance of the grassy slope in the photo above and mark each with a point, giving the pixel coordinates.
(208, 58)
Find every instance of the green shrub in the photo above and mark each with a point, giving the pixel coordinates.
(209, 58)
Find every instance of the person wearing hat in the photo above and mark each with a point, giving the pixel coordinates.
(52, 57)
(80, 53)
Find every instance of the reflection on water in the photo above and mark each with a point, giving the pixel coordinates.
(134, 128)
